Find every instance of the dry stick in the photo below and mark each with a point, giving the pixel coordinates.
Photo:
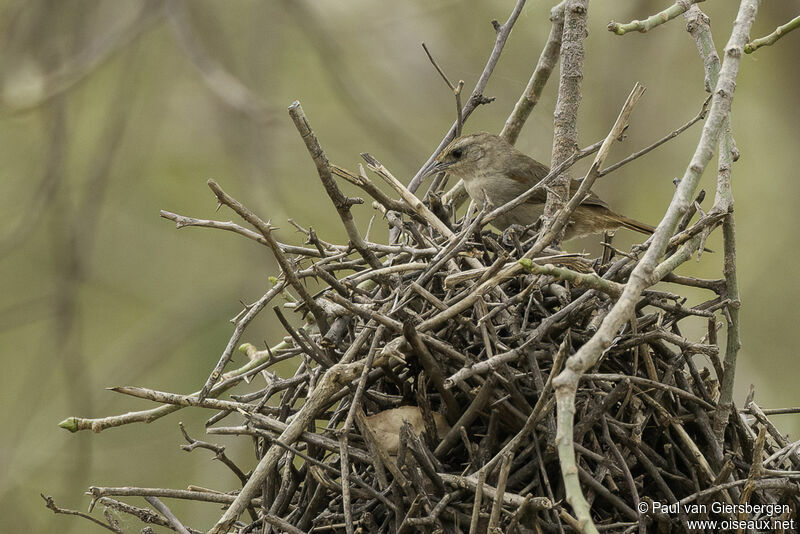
(467, 417)
(166, 512)
(455, 88)
(672, 135)
(476, 98)
(51, 504)
(565, 116)
(494, 516)
(763, 483)
(756, 470)
(778, 411)
(311, 349)
(338, 376)
(288, 271)
(416, 204)
(74, 424)
(279, 523)
(770, 39)
(340, 201)
(651, 22)
(182, 221)
(476, 504)
(642, 276)
(219, 451)
(372, 190)
(725, 404)
(128, 491)
(510, 499)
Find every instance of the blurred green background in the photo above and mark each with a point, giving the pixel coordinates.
(113, 110)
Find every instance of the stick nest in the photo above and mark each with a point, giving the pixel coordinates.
(430, 385)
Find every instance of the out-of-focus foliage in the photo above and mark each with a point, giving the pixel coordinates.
(111, 111)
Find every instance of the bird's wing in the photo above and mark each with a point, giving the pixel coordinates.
(528, 171)
(591, 200)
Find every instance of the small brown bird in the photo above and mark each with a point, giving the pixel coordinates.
(493, 169)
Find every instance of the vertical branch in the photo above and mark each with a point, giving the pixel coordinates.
(566, 384)
(544, 67)
(700, 29)
(733, 343)
(565, 117)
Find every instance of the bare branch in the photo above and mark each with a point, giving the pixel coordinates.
(642, 26)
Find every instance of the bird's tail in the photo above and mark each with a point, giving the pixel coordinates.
(633, 224)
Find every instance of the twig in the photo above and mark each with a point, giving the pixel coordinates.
(700, 29)
(651, 22)
(164, 509)
(75, 424)
(182, 221)
(672, 135)
(579, 279)
(502, 479)
(372, 190)
(770, 39)
(127, 491)
(508, 498)
(407, 195)
(51, 505)
(219, 452)
(455, 88)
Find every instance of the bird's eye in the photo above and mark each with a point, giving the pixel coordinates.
(457, 153)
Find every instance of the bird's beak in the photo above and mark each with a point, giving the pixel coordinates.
(435, 167)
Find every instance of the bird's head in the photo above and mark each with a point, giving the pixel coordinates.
(465, 156)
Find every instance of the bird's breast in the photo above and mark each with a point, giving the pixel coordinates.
(496, 188)
(500, 190)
